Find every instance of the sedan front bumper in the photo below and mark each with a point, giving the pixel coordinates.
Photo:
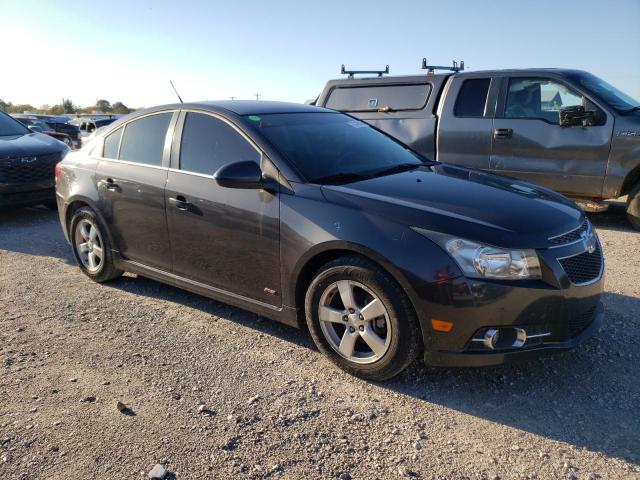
(487, 358)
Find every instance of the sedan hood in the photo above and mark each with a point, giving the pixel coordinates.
(31, 144)
(471, 204)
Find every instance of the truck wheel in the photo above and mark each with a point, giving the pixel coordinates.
(633, 207)
(362, 319)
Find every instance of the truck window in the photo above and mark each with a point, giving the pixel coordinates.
(539, 98)
(373, 98)
(472, 98)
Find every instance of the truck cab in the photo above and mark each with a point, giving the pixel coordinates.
(563, 129)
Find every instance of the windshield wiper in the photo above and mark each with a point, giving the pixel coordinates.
(632, 109)
(402, 167)
(339, 178)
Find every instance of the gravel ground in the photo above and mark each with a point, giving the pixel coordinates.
(216, 392)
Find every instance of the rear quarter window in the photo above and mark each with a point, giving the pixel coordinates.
(373, 98)
(111, 144)
(472, 98)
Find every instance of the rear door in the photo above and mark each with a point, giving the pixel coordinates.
(223, 237)
(131, 179)
(530, 144)
(465, 123)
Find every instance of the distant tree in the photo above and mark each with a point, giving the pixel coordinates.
(56, 110)
(21, 108)
(68, 106)
(119, 107)
(4, 106)
(103, 106)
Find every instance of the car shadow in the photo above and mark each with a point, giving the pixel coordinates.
(615, 218)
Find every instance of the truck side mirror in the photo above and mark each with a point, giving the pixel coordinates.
(576, 116)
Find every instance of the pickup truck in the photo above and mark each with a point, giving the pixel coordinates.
(566, 130)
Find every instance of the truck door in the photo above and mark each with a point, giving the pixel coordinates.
(465, 121)
(529, 143)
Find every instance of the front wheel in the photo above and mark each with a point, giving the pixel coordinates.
(633, 207)
(91, 246)
(361, 319)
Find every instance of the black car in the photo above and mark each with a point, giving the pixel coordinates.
(59, 124)
(27, 164)
(309, 216)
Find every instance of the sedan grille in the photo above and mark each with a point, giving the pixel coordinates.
(572, 236)
(38, 169)
(583, 268)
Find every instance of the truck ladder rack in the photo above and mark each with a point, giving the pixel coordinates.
(351, 73)
(430, 68)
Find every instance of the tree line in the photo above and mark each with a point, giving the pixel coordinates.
(66, 107)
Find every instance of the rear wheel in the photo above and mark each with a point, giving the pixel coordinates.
(633, 207)
(361, 319)
(91, 246)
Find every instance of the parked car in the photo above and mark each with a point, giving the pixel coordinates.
(567, 130)
(42, 127)
(305, 215)
(58, 123)
(27, 163)
(87, 124)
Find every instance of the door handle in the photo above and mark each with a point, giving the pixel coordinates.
(111, 185)
(179, 202)
(503, 133)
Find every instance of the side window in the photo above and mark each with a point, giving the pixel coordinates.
(539, 98)
(370, 98)
(472, 98)
(111, 144)
(143, 139)
(209, 143)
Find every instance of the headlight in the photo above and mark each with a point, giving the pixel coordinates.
(484, 261)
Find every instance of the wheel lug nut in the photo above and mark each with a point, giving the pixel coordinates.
(361, 317)
(351, 310)
(345, 318)
(351, 329)
(361, 328)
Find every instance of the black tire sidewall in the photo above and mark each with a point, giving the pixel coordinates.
(405, 338)
(633, 207)
(107, 270)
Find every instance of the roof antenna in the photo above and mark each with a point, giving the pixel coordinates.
(174, 89)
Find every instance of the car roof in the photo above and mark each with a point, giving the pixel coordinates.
(242, 107)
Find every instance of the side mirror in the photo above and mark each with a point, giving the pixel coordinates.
(245, 174)
(576, 116)
(35, 128)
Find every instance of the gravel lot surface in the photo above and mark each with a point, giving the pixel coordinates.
(210, 391)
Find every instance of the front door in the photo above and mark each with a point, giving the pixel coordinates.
(529, 143)
(131, 179)
(226, 238)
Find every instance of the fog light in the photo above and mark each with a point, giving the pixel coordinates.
(491, 337)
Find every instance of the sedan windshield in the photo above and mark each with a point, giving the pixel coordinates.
(332, 148)
(9, 126)
(606, 92)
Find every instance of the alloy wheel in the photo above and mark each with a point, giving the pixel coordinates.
(354, 322)
(88, 244)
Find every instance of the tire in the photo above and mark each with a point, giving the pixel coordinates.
(633, 207)
(398, 333)
(86, 228)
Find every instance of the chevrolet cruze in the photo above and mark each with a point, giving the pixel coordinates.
(316, 219)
